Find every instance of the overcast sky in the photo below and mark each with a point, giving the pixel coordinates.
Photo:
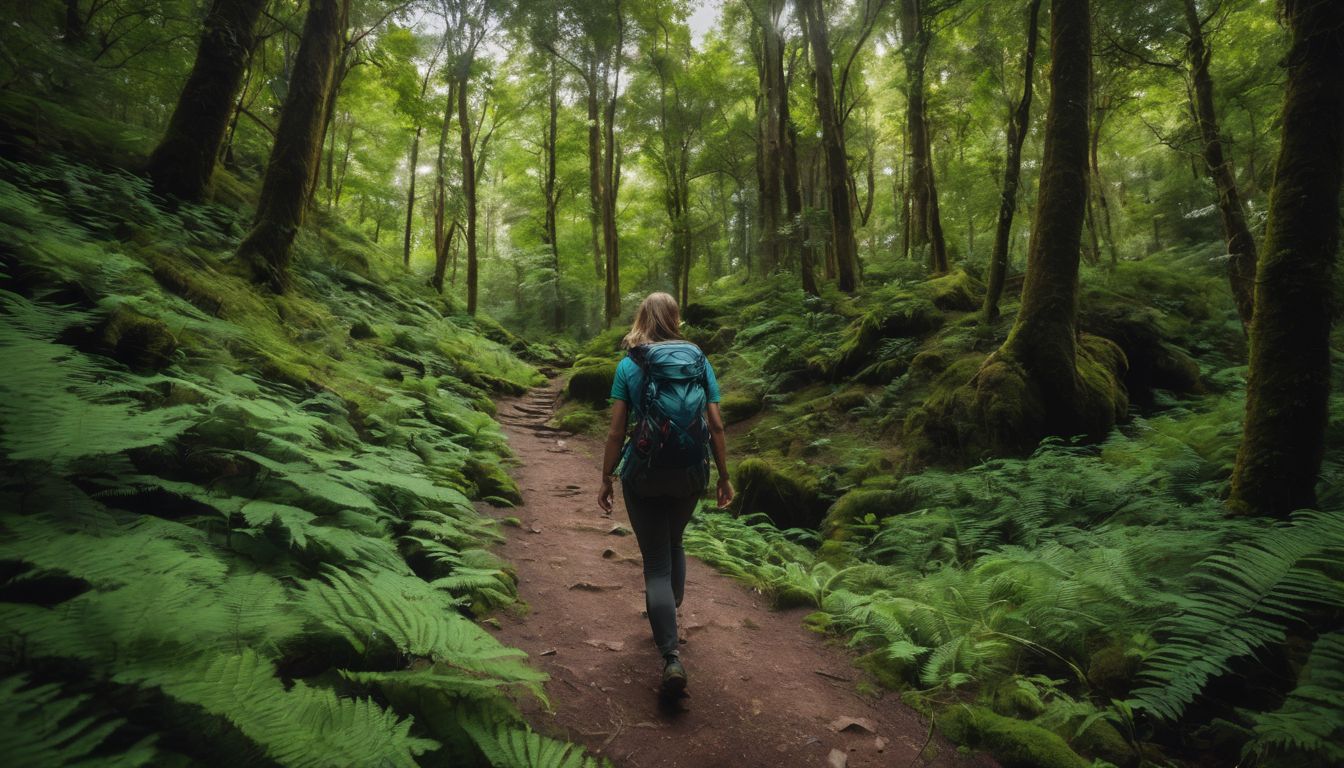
(703, 18)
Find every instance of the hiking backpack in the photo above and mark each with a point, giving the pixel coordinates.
(667, 453)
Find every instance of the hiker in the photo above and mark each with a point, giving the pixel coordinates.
(668, 386)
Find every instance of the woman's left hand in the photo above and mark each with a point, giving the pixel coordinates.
(604, 495)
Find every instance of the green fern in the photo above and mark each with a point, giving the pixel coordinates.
(1310, 722)
(298, 726)
(511, 746)
(40, 726)
(1245, 600)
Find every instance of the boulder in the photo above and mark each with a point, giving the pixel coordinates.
(1154, 362)
(789, 499)
(956, 292)
(861, 502)
(863, 340)
(591, 384)
(739, 406)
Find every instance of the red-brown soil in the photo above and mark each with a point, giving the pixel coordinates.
(764, 690)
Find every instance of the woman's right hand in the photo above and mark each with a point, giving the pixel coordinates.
(725, 492)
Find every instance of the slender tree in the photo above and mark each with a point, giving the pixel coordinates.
(550, 190)
(468, 186)
(183, 162)
(611, 171)
(298, 145)
(1288, 388)
(838, 197)
(443, 228)
(1018, 125)
(415, 157)
(925, 219)
(1240, 244)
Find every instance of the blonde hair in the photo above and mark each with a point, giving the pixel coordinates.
(657, 319)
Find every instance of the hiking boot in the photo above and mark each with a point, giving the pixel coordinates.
(674, 677)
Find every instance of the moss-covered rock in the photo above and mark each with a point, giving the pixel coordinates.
(1104, 741)
(861, 502)
(999, 409)
(862, 343)
(591, 384)
(1111, 670)
(579, 418)
(702, 315)
(588, 361)
(956, 292)
(739, 406)
(789, 499)
(140, 342)
(1014, 743)
(1154, 362)
(361, 329)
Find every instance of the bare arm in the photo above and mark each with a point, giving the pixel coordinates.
(611, 453)
(719, 445)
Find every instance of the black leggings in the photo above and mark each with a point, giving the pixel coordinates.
(658, 522)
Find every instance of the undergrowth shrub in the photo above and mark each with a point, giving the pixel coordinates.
(263, 546)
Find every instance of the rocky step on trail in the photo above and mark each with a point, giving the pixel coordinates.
(764, 691)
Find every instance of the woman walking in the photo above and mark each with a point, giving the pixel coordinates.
(666, 389)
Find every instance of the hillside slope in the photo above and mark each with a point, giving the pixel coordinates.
(237, 526)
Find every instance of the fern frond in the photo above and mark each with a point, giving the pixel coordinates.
(40, 726)
(301, 726)
(1248, 597)
(513, 746)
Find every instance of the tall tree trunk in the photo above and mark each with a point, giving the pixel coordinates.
(1240, 244)
(833, 144)
(772, 132)
(1288, 388)
(1018, 125)
(550, 229)
(182, 163)
(298, 142)
(468, 187)
(611, 174)
(925, 221)
(441, 258)
(74, 24)
(443, 231)
(410, 198)
(595, 170)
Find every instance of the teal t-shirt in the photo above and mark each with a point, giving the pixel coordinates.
(629, 378)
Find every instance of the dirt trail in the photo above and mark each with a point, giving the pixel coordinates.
(764, 691)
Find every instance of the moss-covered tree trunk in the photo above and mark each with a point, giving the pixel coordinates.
(183, 162)
(925, 220)
(1018, 126)
(295, 154)
(1288, 390)
(1046, 379)
(844, 249)
(1240, 244)
(1044, 337)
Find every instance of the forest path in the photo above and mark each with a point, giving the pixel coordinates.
(764, 691)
